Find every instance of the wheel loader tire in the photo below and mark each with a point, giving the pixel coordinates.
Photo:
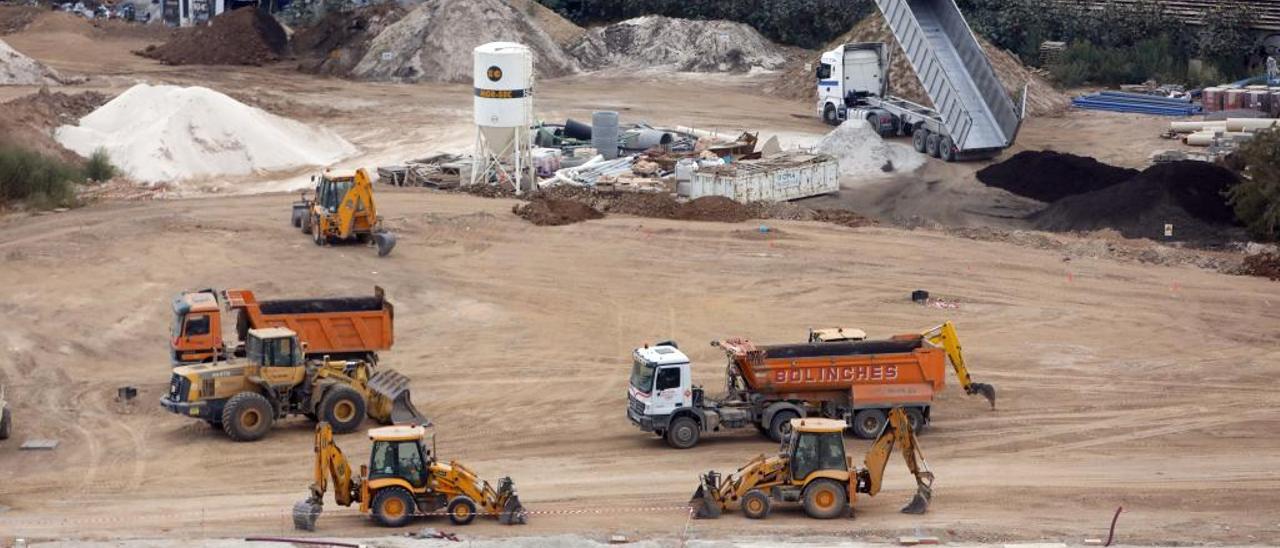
(6, 424)
(393, 507)
(868, 423)
(318, 236)
(915, 418)
(343, 408)
(780, 426)
(247, 417)
(756, 504)
(683, 433)
(825, 499)
(306, 224)
(462, 510)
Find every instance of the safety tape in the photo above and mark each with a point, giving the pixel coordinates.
(328, 514)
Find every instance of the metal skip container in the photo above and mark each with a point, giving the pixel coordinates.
(779, 178)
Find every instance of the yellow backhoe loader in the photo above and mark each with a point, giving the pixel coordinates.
(342, 210)
(403, 479)
(812, 469)
(945, 336)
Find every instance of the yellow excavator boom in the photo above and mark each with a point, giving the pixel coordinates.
(897, 432)
(945, 336)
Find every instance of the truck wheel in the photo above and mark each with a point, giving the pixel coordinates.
(946, 149)
(780, 426)
(683, 433)
(931, 144)
(296, 216)
(306, 223)
(918, 138)
(6, 424)
(393, 507)
(915, 419)
(247, 417)
(829, 115)
(462, 510)
(868, 423)
(756, 504)
(825, 499)
(343, 408)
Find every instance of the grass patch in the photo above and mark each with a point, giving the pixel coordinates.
(99, 167)
(40, 181)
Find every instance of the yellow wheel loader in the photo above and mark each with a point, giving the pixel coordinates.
(342, 210)
(812, 469)
(244, 397)
(403, 479)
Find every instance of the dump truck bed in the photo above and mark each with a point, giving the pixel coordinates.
(334, 326)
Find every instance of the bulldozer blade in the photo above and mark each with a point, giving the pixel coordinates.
(703, 508)
(305, 514)
(987, 391)
(920, 502)
(513, 513)
(385, 241)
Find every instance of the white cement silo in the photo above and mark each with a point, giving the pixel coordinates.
(503, 81)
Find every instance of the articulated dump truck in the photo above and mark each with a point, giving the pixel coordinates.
(341, 328)
(857, 381)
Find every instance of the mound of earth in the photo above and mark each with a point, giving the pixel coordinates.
(29, 121)
(677, 44)
(716, 209)
(245, 36)
(14, 18)
(797, 81)
(863, 154)
(166, 133)
(339, 40)
(555, 212)
(17, 69)
(434, 42)
(1187, 195)
(562, 30)
(1265, 265)
(1049, 176)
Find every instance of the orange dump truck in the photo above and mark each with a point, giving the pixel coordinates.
(767, 386)
(342, 328)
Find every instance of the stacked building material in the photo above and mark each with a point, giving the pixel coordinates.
(1120, 101)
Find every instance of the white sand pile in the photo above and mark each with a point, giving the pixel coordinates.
(167, 133)
(863, 154)
(680, 44)
(434, 42)
(17, 69)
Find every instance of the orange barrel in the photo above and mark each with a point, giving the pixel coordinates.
(1234, 99)
(1211, 98)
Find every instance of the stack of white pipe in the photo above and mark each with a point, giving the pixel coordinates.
(1202, 134)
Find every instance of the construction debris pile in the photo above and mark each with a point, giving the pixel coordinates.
(1049, 176)
(246, 36)
(1216, 138)
(677, 44)
(167, 133)
(17, 69)
(434, 42)
(443, 171)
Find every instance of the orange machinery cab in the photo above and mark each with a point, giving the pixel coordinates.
(196, 334)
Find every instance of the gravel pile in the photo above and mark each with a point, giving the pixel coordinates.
(677, 44)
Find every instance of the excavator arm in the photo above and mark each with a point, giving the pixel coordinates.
(357, 202)
(945, 336)
(330, 464)
(897, 433)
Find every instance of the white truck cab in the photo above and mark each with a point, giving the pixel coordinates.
(661, 384)
(848, 73)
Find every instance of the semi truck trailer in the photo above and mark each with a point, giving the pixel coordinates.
(342, 328)
(766, 386)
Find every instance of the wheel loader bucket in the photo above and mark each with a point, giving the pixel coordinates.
(305, 514)
(920, 502)
(513, 513)
(985, 390)
(385, 241)
(703, 505)
(394, 386)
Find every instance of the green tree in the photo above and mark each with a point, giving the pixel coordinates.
(1256, 199)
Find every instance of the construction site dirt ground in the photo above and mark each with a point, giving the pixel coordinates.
(1121, 384)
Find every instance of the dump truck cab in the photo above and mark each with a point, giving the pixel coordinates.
(196, 332)
(837, 334)
(661, 386)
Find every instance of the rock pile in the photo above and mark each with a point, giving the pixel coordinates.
(678, 44)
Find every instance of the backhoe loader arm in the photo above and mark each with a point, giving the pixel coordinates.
(357, 200)
(945, 336)
(330, 463)
(715, 493)
(897, 432)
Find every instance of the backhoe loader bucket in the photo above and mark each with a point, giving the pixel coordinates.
(920, 502)
(394, 386)
(385, 241)
(305, 514)
(704, 507)
(513, 513)
(987, 391)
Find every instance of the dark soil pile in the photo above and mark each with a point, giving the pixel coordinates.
(28, 121)
(1050, 176)
(336, 43)
(555, 212)
(16, 18)
(1187, 194)
(1265, 265)
(842, 217)
(245, 36)
(716, 209)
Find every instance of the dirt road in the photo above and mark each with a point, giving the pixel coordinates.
(1120, 383)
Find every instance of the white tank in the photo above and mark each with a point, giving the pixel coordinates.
(503, 79)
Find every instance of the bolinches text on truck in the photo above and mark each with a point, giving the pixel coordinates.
(857, 381)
